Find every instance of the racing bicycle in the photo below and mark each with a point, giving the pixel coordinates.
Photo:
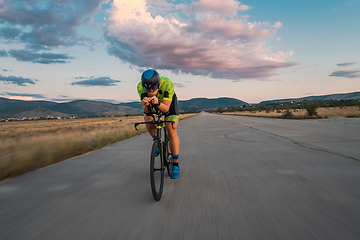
(162, 160)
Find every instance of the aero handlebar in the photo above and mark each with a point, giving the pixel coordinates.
(155, 121)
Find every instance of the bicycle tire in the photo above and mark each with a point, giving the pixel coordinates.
(168, 157)
(156, 171)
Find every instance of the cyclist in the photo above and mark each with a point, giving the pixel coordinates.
(159, 91)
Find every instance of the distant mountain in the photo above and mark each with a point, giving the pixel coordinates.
(136, 105)
(198, 104)
(6, 103)
(30, 112)
(340, 96)
(19, 108)
(93, 108)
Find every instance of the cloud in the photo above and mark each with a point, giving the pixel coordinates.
(346, 64)
(75, 99)
(46, 23)
(101, 81)
(106, 100)
(16, 80)
(179, 85)
(225, 7)
(347, 74)
(65, 99)
(295, 70)
(6, 70)
(26, 95)
(351, 3)
(3, 53)
(213, 41)
(10, 33)
(34, 57)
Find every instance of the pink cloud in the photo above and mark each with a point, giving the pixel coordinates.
(214, 44)
(236, 28)
(225, 7)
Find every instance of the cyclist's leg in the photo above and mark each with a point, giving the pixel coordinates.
(174, 139)
(174, 143)
(150, 127)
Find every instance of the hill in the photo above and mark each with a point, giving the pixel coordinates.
(198, 104)
(6, 103)
(30, 112)
(94, 108)
(341, 96)
(85, 108)
(82, 108)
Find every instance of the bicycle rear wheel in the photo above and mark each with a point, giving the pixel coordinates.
(156, 171)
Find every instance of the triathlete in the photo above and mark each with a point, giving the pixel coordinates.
(159, 91)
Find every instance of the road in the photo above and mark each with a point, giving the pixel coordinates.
(241, 178)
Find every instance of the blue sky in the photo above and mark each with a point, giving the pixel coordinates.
(63, 50)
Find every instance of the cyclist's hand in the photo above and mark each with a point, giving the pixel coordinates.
(146, 101)
(154, 100)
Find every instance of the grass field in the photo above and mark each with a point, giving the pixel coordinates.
(302, 113)
(29, 145)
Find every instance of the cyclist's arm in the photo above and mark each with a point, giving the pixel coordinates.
(145, 103)
(164, 106)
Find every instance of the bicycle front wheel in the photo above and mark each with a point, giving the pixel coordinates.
(168, 157)
(156, 171)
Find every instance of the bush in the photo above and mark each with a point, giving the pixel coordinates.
(269, 110)
(287, 114)
(311, 109)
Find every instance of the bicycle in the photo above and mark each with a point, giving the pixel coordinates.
(164, 159)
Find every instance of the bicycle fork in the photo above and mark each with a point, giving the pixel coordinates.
(159, 138)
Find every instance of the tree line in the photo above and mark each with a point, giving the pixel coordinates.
(310, 105)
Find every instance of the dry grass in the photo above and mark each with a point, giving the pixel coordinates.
(302, 113)
(29, 145)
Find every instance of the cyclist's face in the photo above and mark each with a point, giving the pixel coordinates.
(153, 93)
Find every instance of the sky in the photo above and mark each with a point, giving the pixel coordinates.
(63, 50)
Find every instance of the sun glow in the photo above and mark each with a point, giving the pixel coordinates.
(23, 98)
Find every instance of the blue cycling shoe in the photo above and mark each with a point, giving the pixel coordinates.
(157, 152)
(175, 173)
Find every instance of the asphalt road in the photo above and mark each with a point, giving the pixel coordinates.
(241, 178)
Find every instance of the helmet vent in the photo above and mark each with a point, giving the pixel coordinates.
(148, 73)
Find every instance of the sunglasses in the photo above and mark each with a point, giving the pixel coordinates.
(154, 88)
